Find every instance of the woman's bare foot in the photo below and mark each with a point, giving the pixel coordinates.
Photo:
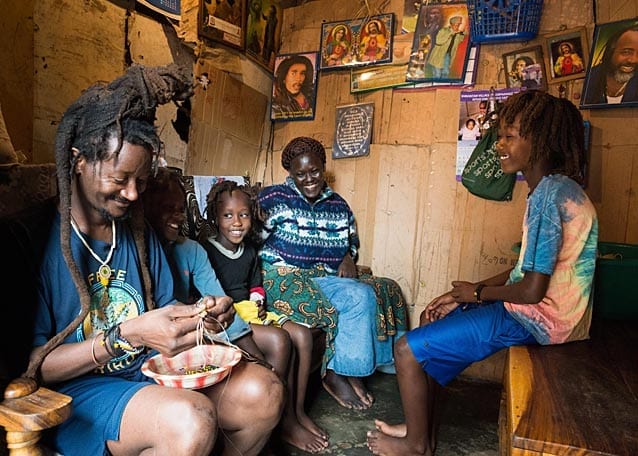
(295, 434)
(385, 445)
(361, 391)
(393, 430)
(339, 388)
(307, 422)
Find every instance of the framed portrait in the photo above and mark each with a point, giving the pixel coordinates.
(294, 89)
(468, 80)
(263, 32)
(524, 68)
(566, 55)
(223, 21)
(357, 42)
(441, 43)
(611, 80)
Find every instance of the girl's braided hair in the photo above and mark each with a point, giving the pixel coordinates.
(123, 110)
(555, 127)
(299, 146)
(214, 197)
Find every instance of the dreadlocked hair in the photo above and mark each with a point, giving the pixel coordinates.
(555, 128)
(123, 110)
(228, 187)
(300, 146)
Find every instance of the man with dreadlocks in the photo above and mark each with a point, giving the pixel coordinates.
(545, 299)
(106, 295)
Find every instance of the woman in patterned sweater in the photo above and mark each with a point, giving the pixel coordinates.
(308, 261)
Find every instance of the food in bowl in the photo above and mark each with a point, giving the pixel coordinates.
(195, 368)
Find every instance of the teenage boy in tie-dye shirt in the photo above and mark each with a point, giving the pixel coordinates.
(544, 299)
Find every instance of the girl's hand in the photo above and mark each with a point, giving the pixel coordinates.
(261, 309)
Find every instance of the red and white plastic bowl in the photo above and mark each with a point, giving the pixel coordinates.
(173, 371)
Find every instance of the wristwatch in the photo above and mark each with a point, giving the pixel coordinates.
(477, 293)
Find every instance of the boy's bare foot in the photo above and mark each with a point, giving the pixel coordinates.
(293, 433)
(307, 422)
(361, 391)
(393, 430)
(385, 445)
(339, 388)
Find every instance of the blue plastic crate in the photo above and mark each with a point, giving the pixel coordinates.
(497, 21)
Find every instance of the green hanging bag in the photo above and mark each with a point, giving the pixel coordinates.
(483, 175)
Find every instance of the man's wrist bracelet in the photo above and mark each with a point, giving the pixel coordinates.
(477, 293)
(117, 345)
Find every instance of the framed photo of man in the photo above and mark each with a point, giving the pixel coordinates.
(612, 79)
(566, 55)
(263, 32)
(441, 43)
(524, 68)
(294, 88)
(223, 21)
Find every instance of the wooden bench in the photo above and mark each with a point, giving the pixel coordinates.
(579, 398)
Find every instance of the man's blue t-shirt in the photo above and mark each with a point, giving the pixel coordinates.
(59, 302)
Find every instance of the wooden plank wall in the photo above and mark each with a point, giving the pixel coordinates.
(418, 224)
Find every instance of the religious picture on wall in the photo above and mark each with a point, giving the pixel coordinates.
(566, 55)
(441, 43)
(357, 42)
(524, 68)
(468, 80)
(353, 130)
(294, 88)
(612, 79)
(263, 31)
(223, 21)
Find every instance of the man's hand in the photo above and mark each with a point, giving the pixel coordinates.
(438, 308)
(218, 312)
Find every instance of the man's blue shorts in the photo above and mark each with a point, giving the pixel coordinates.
(444, 348)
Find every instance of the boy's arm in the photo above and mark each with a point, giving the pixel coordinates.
(530, 290)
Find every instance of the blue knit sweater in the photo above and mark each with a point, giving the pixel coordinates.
(303, 234)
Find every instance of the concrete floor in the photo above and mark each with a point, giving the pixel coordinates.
(469, 418)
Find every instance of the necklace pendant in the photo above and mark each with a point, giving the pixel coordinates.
(104, 274)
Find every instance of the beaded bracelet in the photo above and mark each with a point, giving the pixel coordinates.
(109, 342)
(121, 344)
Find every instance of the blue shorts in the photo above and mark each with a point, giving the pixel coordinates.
(238, 329)
(98, 405)
(446, 347)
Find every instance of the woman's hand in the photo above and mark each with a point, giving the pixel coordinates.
(347, 268)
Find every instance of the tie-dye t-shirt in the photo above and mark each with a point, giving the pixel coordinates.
(560, 238)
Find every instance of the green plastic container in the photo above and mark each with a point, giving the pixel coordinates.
(615, 296)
